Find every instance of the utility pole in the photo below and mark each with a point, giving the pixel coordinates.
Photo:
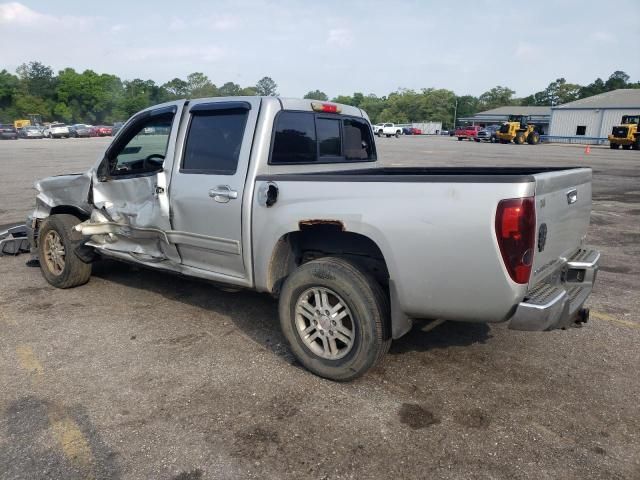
(455, 113)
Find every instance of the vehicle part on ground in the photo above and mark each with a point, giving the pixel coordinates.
(14, 241)
(335, 317)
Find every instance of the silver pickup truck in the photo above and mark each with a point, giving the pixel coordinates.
(286, 196)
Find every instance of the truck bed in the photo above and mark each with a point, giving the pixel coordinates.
(422, 174)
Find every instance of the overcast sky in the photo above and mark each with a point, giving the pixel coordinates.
(338, 46)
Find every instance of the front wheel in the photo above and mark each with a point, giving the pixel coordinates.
(626, 147)
(614, 146)
(57, 242)
(397, 134)
(335, 317)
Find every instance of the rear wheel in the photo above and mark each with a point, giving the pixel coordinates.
(614, 146)
(626, 147)
(519, 140)
(460, 139)
(398, 134)
(533, 138)
(335, 317)
(59, 264)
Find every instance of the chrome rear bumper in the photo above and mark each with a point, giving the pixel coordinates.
(559, 304)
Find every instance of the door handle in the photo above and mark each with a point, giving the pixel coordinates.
(223, 193)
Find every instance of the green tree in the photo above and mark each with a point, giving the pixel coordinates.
(316, 95)
(199, 86)
(344, 99)
(26, 104)
(177, 88)
(37, 79)
(248, 92)
(496, 97)
(230, 89)
(9, 84)
(266, 87)
(468, 105)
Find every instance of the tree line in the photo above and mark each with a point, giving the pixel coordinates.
(90, 97)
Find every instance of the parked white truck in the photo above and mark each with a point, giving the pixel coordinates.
(286, 196)
(387, 129)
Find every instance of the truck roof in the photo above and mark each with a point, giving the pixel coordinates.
(286, 103)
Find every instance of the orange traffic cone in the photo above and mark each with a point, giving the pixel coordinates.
(587, 150)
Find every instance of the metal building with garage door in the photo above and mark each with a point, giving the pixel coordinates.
(591, 119)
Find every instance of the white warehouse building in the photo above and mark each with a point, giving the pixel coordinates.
(591, 119)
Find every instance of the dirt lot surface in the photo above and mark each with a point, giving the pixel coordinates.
(142, 375)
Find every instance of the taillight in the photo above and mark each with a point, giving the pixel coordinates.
(516, 229)
(325, 107)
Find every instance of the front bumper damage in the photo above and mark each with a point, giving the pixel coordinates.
(15, 240)
(559, 303)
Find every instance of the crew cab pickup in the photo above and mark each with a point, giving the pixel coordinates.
(469, 132)
(387, 129)
(287, 197)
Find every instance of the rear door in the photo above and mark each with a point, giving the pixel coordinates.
(563, 210)
(208, 182)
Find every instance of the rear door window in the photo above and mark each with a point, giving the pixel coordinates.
(214, 142)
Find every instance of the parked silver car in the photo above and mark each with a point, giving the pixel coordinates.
(30, 132)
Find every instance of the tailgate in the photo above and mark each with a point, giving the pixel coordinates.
(563, 210)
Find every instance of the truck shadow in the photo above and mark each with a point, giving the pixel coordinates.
(256, 314)
(449, 334)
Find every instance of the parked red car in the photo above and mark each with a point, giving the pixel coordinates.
(416, 131)
(470, 132)
(101, 131)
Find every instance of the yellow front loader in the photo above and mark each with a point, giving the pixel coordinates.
(625, 135)
(518, 130)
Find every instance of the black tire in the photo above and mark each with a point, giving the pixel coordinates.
(614, 146)
(519, 140)
(460, 139)
(74, 271)
(397, 134)
(626, 147)
(533, 138)
(364, 298)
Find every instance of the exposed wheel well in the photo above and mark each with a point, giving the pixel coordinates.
(70, 210)
(320, 238)
(59, 210)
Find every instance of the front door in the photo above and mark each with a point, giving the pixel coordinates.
(130, 183)
(208, 183)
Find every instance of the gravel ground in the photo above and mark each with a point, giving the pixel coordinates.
(142, 375)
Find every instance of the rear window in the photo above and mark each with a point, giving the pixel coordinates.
(305, 138)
